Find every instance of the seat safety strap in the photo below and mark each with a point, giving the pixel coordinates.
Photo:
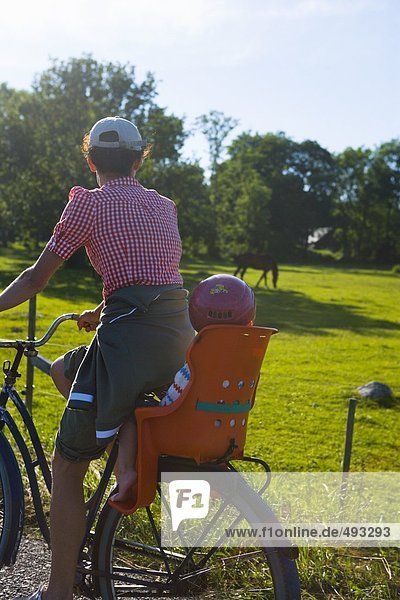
(223, 408)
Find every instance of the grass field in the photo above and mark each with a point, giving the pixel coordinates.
(339, 329)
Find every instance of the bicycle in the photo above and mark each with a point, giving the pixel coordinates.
(121, 554)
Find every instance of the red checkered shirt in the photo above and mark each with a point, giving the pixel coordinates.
(130, 234)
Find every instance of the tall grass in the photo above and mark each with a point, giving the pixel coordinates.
(339, 328)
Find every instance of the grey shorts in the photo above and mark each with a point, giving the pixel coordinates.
(76, 438)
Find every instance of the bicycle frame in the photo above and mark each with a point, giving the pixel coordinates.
(31, 463)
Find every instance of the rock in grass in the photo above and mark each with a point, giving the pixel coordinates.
(376, 391)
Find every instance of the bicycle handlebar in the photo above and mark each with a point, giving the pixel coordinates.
(45, 338)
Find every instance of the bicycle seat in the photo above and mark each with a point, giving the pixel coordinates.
(209, 421)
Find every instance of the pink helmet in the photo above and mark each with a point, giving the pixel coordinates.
(221, 299)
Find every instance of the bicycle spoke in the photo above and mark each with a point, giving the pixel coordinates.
(134, 569)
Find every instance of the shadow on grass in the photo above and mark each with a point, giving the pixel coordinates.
(76, 285)
(392, 402)
(295, 312)
(289, 311)
(66, 283)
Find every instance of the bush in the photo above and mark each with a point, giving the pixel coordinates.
(322, 256)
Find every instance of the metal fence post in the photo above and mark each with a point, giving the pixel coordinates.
(29, 387)
(349, 435)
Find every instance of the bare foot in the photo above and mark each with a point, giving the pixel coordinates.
(126, 481)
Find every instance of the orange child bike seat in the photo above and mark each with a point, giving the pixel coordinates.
(209, 420)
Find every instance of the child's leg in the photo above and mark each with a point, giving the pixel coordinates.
(126, 462)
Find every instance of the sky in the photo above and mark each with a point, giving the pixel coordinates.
(326, 70)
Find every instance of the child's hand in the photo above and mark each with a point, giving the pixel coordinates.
(88, 320)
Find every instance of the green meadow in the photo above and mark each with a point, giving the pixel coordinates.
(338, 329)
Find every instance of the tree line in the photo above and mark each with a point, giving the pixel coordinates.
(265, 193)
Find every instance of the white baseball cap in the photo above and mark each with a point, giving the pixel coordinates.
(116, 132)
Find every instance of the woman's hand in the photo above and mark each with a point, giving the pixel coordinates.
(89, 319)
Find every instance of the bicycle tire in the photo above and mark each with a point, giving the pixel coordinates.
(120, 561)
(11, 504)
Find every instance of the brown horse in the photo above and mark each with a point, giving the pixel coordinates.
(265, 262)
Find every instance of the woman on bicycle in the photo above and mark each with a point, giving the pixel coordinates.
(131, 237)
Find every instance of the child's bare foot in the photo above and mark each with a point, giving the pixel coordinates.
(126, 481)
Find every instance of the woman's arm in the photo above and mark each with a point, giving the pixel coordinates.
(31, 281)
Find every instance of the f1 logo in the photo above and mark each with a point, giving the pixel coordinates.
(189, 499)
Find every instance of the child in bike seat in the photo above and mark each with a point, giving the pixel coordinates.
(219, 299)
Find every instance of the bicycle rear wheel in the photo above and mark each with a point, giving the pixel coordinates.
(131, 563)
(11, 504)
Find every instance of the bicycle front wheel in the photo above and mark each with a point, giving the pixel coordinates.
(130, 563)
(11, 504)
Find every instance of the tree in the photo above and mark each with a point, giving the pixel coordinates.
(16, 143)
(317, 169)
(367, 206)
(384, 189)
(241, 209)
(284, 188)
(185, 184)
(41, 131)
(216, 127)
(168, 134)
